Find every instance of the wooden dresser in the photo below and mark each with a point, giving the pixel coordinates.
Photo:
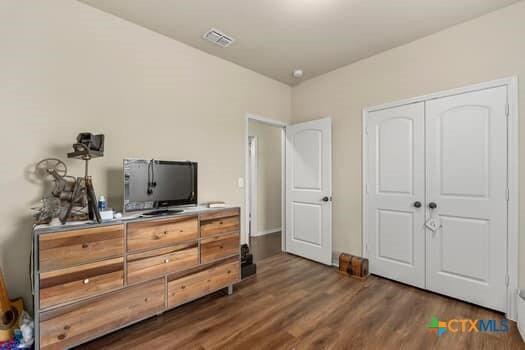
(90, 280)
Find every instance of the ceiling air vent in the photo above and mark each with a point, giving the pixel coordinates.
(218, 38)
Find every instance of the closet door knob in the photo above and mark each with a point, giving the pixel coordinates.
(417, 204)
(432, 205)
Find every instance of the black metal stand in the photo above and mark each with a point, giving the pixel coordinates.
(93, 211)
(84, 153)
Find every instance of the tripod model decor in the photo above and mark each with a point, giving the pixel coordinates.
(88, 146)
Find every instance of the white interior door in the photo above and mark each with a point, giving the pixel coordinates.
(396, 193)
(309, 190)
(467, 182)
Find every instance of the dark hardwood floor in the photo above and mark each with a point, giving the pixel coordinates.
(265, 246)
(294, 303)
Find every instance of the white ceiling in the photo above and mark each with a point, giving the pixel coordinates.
(274, 37)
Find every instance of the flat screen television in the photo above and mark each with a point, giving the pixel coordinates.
(159, 184)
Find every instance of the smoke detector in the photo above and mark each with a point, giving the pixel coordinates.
(218, 38)
(297, 73)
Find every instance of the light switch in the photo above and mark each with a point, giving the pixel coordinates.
(240, 182)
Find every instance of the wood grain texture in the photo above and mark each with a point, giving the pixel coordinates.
(221, 214)
(221, 225)
(203, 267)
(73, 324)
(75, 247)
(213, 248)
(201, 283)
(158, 262)
(161, 233)
(5, 303)
(92, 281)
(65, 285)
(293, 303)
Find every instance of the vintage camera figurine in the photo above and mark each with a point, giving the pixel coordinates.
(92, 143)
(71, 195)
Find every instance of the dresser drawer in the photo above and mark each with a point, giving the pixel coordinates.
(62, 286)
(188, 287)
(220, 225)
(213, 248)
(220, 214)
(161, 233)
(153, 263)
(73, 324)
(76, 247)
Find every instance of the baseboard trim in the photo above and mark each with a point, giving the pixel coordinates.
(266, 232)
(521, 332)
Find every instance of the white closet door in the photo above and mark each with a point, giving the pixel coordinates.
(467, 181)
(395, 193)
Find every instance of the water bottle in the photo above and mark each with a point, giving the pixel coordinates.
(102, 203)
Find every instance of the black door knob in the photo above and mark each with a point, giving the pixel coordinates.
(432, 205)
(325, 199)
(417, 204)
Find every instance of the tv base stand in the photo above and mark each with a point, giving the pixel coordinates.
(162, 212)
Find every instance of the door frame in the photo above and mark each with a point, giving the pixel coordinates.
(282, 125)
(251, 180)
(511, 83)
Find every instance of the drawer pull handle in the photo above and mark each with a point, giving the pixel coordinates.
(61, 337)
(165, 232)
(221, 246)
(67, 327)
(182, 287)
(166, 261)
(221, 223)
(85, 245)
(146, 299)
(229, 271)
(85, 281)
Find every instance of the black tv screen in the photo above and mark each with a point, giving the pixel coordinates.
(153, 184)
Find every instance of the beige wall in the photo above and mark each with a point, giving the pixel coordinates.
(268, 175)
(66, 67)
(483, 49)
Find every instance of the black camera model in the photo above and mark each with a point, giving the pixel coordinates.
(88, 141)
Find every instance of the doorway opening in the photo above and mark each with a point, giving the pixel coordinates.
(305, 188)
(264, 187)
